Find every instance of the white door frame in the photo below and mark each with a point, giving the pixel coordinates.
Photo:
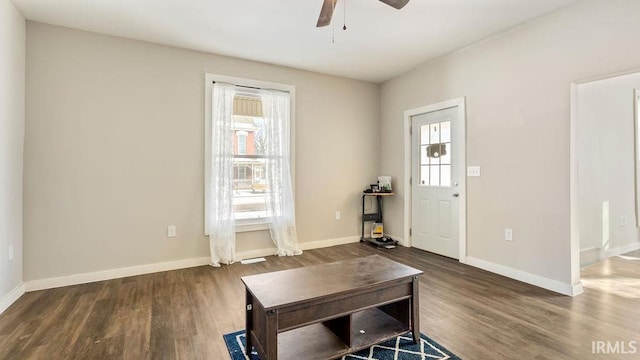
(461, 167)
(574, 192)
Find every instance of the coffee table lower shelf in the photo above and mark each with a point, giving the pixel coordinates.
(318, 342)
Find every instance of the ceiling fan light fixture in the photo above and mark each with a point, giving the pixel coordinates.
(326, 12)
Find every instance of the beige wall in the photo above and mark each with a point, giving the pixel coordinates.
(114, 151)
(517, 89)
(12, 85)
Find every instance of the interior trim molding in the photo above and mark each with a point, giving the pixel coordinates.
(11, 297)
(84, 278)
(303, 246)
(622, 249)
(592, 255)
(329, 242)
(574, 189)
(532, 279)
(90, 277)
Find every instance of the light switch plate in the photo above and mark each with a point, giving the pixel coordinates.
(508, 234)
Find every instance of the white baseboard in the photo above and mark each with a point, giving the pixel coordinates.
(576, 289)
(536, 280)
(11, 297)
(592, 255)
(328, 243)
(85, 278)
(622, 249)
(303, 246)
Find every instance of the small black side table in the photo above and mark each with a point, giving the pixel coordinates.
(376, 217)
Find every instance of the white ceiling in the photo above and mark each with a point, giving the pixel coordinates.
(379, 43)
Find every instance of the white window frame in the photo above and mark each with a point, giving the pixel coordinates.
(258, 223)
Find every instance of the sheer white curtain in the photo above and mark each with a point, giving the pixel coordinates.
(279, 197)
(220, 219)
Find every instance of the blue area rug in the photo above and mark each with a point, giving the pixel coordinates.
(400, 348)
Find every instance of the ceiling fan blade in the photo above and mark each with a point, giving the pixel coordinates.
(398, 4)
(326, 13)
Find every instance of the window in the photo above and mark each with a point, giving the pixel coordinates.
(435, 154)
(249, 184)
(250, 181)
(242, 142)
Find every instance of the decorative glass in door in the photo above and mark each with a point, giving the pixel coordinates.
(435, 154)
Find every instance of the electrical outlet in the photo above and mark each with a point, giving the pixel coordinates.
(623, 221)
(338, 215)
(10, 252)
(171, 231)
(473, 170)
(508, 234)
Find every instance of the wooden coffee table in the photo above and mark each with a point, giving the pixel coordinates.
(327, 311)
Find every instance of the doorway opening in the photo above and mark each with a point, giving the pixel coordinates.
(604, 172)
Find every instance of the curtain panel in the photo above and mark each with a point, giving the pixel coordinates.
(279, 200)
(222, 232)
(279, 197)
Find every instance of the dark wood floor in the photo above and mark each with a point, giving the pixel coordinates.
(183, 314)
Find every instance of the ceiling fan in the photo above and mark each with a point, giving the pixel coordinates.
(326, 13)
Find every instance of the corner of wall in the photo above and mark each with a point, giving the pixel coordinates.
(12, 123)
(11, 297)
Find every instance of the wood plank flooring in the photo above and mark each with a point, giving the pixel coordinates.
(183, 314)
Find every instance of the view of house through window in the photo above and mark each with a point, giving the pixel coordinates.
(249, 183)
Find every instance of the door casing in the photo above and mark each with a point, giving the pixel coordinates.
(460, 166)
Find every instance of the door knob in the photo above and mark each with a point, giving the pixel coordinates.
(455, 194)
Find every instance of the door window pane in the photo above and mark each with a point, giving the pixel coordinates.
(424, 175)
(435, 154)
(445, 175)
(424, 134)
(445, 131)
(434, 175)
(424, 159)
(434, 134)
(445, 158)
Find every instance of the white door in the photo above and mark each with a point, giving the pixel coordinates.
(436, 184)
